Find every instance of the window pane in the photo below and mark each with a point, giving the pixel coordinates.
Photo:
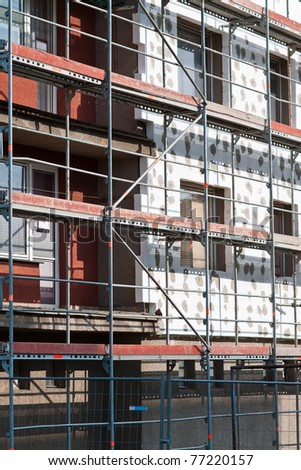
(19, 225)
(189, 53)
(19, 236)
(17, 29)
(47, 287)
(16, 4)
(43, 183)
(19, 177)
(283, 218)
(40, 30)
(192, 206)
(283, 224)
(42, 238)
(39, 35)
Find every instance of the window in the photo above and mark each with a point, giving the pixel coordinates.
(19, 177)
(34, 33)
(22, 372)
(55, 374)
(283, 224)
(43, 239)
(192, 206)
(43, 183)
(40, 35)
(279, 90)
(190, 55)
(26, 30)
(214, 67)
(19, 234)
(17, 23)
(33, 239)
(19, 228)
(187, 374)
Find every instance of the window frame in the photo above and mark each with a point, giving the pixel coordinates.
(25, 256)
(29, 248)
(283, 217)
(189, 34)
(186, 374)
(17, 26)
(46, 98)
(30, 255)
(55, 375)
(217, 252)
(46, 94)
(280, 96)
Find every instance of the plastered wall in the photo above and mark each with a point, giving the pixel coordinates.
(240, 295)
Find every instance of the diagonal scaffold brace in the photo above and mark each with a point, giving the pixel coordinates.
(201, 339)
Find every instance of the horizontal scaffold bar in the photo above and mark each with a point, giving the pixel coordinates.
(158, 352)
(26, 205)
(59, 71)
(281, 27)
(37, 65)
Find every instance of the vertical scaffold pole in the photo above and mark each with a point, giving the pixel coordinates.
(268, 131)
(68, 97)
(233, 408)
(234, 140)
(162, 411)
(293, 156)
(10, 231)
(206, 233)
(110, 229)
(297, 416)
(167, 310)
(68, 226)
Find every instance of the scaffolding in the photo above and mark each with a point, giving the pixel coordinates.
(116, 220)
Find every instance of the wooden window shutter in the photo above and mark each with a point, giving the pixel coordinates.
(198, 250)
(186, 245)
(193, 252)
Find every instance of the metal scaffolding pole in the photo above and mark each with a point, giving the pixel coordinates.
(206, 239)
(295, 257)
(268, 134)
(234, 139)
(109, 227)
(111, 233)
(68, 97)
(10, 230)
(166, 122)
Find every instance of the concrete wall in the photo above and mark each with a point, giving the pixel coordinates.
(40, 406)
